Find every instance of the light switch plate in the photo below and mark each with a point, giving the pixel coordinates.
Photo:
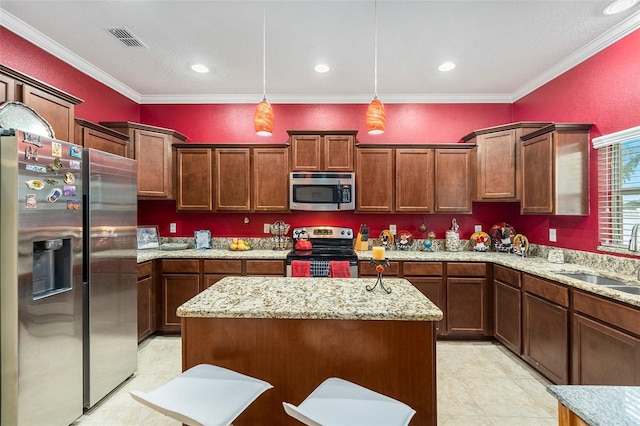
(392, 229)
(266, 228)
(478, 228)
(172, 228)
(552, 235)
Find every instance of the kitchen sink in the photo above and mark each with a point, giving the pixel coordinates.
(611, 283)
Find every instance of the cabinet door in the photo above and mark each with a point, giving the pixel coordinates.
(602, 355)
(153, 153)
(337, 153)
(432, 288)
(146, 308)
(374, 180)
(264, 267)
(498, 166)
(414, 180)
(194, 179)
(545, 337)
(57, 112)
(507, 315)
(467, 304)
(176, 289)
(232, 179)
(92, 138)
(452, 181)
(538, 175)
(7, 89)
(306, 153)
(270, 180)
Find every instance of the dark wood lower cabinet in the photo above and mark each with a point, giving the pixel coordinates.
(546, 343)
(146, 301)
(507, 316)
(177, 289)
(467, 307)
(602, 355)
(432, 288)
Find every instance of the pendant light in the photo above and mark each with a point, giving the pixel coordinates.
(263, 118)
(375, 112)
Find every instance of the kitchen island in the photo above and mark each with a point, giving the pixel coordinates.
(296, 332)
(597, 405)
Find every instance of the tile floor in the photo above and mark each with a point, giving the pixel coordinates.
(479, 383)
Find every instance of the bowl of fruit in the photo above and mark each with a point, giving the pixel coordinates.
(238, 244)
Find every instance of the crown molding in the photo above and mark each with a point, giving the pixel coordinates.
(611, 36)
(34, 36)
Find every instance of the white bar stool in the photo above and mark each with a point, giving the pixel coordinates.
(339, 402)
(204, 395)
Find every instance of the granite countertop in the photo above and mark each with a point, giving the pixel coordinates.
(601, 405)
(311, 298)
(533, 265)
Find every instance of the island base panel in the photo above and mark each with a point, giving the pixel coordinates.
(395, 358)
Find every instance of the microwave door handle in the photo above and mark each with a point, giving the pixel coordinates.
(339, 193)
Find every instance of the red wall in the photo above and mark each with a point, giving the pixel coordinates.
(604, 90)
(100, 102)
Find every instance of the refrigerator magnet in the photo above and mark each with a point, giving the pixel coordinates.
(73, 164)
(69, 190)
(31, 201)
(75, 151)
(69, 178)
(56, 149)
(73, 205)
(54, 195)
(31, 153)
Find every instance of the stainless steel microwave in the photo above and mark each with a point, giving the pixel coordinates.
(322, 191)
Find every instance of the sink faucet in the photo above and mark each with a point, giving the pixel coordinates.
(633, 243)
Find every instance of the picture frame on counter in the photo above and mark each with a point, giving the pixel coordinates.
(148, 237)
(202, 239)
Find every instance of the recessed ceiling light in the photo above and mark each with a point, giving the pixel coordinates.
(619, 6)
(321, 68)
(200, 68)
(447, 66)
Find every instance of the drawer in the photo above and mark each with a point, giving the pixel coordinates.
(506, 275)
(226, 266)
(462, 269)
(420, 269)
(265, 267)
(614, 313)
(145, 269)
(181, 266)
(553, 292)
(365, 270)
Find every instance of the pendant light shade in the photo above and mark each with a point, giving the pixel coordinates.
(375, 117)
(263, 119)
(375, 113)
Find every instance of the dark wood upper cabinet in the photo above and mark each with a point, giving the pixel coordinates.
(374, 179)
(452, 181)
(414, 171)
(92, 135)
(194, 179)
(54, 105)
(555, 170)
(322, 151)
(232, 179)
(495, 161)
(270, 180)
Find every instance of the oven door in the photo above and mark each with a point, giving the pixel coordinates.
(320, 268)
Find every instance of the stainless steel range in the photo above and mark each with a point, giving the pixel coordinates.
(328, 243)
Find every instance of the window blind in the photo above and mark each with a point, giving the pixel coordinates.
(618, 186)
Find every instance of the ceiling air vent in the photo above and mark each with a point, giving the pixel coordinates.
(125, 36)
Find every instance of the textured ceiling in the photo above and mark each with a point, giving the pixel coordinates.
(502, 49)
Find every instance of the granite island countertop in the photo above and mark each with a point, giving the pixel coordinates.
(601, 405)
(311, 298)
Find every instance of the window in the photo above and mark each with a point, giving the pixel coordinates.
(618, 186)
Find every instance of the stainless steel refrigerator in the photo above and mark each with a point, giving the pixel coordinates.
(110, 291)
(49, 320)
(41, 288)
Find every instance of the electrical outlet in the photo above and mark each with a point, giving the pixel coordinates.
(478, 228)
(552, 235)
(266, 228)
(172, 228)
(392, 229)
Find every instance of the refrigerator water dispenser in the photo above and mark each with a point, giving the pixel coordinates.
(51, 267)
